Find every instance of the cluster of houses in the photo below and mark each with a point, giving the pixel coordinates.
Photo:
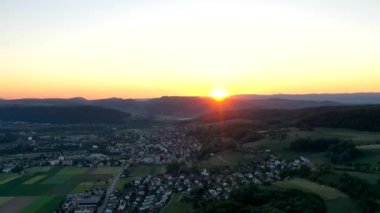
(152, 193)
(79, 159)
(157, 146)
(86, 202)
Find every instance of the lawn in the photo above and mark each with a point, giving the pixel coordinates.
(176, 205)
(326, 192)
(107, 170)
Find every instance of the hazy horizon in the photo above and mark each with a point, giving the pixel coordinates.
(200, 96)
(141, 49)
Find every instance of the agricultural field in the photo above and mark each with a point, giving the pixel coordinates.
(226, 158)
(39, 169)
(365, 141)
(42, 189)
(325, 192)
(107, 170)
(335, 200)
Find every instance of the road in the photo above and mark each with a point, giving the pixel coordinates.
(110, 189)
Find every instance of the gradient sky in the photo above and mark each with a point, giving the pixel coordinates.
(149, 48)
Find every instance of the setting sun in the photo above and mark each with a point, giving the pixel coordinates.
(219, 94)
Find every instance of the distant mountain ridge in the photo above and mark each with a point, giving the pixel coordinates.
(344, 98)
(117, 110)
(172, 105)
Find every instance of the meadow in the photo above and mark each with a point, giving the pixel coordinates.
(177, 205)
(335, 200)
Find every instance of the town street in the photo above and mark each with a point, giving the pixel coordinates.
(111, 188)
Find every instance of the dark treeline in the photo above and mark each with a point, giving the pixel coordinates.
(250, 199)
(366, 118)
(337, 150)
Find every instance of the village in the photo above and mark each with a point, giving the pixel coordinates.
(151, 193)
(154, 146)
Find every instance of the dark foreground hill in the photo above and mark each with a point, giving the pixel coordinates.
(61, 114)
(363, 117)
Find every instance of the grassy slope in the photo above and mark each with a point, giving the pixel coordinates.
(176, 205)
(335, 200)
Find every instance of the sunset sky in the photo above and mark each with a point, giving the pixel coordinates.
(150, 48)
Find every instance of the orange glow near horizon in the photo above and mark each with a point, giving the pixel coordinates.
(219, 94)
(145, 49)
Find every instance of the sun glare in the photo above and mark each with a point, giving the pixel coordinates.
(219, 94)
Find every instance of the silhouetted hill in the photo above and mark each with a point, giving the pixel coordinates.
(361, 117)
(344, 98)
(173, 106)
(61, 114)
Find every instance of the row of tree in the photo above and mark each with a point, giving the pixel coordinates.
(337, 150)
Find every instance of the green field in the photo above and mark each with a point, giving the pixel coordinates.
(346, 205)
(122, 181)
(43, 190)
(325, 192)
(4, 178)
(369, 147)
(35, 179)
(44, 204)
(73, 171)
(57, 179)
(369, 177)
(176, 205)
(226, 158)
(335, 200)
(107, 170)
